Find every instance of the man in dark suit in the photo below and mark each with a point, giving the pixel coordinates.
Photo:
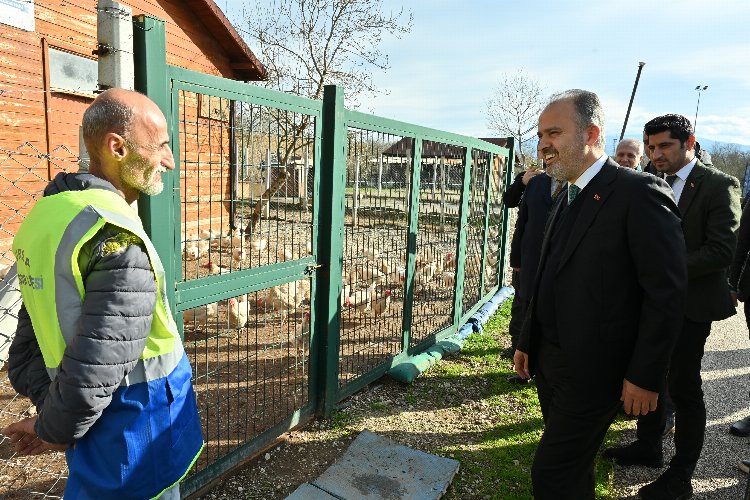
(608, 299)
(739, 282)
(709, 203)
(525, 248)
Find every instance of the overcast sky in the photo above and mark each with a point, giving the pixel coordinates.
(443, 72)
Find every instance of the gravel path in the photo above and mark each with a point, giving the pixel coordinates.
(726, 366)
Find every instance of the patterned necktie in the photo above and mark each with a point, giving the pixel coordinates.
(670, 179)
(557, 190)
(573, 191)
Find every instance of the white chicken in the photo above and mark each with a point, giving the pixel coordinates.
(198, 316)
(215, 269)
(236, 313)
(239, 254)
(258, 244)
(284, 298)
(304, 325)
(192, 251)
(380, 304)
(360, 300)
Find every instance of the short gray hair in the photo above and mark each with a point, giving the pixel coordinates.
(105, 115)
(637, 144)
(588, 108)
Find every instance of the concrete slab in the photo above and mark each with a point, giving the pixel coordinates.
(307, 491)
(376, 468)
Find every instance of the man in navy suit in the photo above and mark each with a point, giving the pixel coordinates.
(709, 204)
(526, 247)
(608, 299)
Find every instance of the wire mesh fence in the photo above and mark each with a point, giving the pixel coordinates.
(24, 172)
(245, 247)
(244, 174)
(376, 208)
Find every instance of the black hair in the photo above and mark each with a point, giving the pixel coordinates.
(678, 126)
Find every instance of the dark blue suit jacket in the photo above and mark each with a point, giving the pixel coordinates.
(526, 246)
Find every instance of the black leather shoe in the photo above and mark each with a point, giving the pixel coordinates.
(744, 466)
(636, 453)
(741, 427)
(668, 486)
(669, 425)
(517, 379)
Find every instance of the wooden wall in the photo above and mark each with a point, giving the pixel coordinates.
(33, 124)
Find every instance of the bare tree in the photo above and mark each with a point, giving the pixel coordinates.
(514, 107)
(308, 44)
(730, 159)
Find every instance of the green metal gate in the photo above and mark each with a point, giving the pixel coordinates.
(311, 247)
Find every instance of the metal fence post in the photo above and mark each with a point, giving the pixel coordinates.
(486, 224)
(411, 242)
(157, 212)
(506, 222)
(330, 212)
(461, 250)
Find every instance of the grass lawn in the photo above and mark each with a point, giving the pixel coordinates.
(496, 463)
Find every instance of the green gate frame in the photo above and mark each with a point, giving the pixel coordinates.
(162, 83)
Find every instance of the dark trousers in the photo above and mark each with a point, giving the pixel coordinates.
(684, 384)
(575, 423)
(517, 313)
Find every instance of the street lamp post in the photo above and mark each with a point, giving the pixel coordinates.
(700, 89)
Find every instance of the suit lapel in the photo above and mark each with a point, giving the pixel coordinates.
(559, 204)
(598, 189)
(692, 183)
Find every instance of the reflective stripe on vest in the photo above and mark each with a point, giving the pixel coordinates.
(60, 225)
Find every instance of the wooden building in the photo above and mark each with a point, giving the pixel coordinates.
(46, 71)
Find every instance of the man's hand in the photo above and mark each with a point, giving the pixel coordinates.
(516, 269)
(637, 400)
(733, 296)
(531, 172)
(521, 364)
(25, 440)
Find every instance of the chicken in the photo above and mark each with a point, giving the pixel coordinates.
(258, 244)
(215, 269)
(304, 325)
(360, 300)
(449, 261)
(236, 313)
(192, 251)
(380, 304)
(345, 289)
(203, 246)
(239, 254)
(371, 254)
(198, 316)
(394, 274)
(284, 298)
(366, 273)
(209, 234)
(447, 278)
(283, 254)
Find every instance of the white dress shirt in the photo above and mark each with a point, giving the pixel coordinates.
(682, 174)
(589, 174)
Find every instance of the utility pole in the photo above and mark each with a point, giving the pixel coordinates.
(632, 96)
(699, 89)
(114, 35)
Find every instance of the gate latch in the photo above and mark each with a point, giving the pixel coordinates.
(310, 269)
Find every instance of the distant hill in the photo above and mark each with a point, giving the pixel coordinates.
(709, 145)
